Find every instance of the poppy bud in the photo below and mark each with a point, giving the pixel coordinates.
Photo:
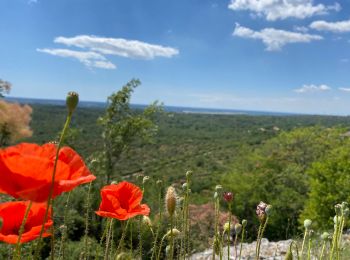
(336, 220)
(145, 179)
(147, 221)
(159, 182)
(227, 226)
(338, 209)
(244, 222)
(260, 211)
(218, 188)
(184, 186)
(123, 256)
(325, 236)
(307, 223)
(114, 182)
(238, 228)
(72, 101)
(268, 210)
(176, 233)
(188, 174)
(170, 200)
(228, 196)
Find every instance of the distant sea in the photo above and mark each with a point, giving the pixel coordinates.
(175, 109)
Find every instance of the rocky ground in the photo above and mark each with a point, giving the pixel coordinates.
(269, 251)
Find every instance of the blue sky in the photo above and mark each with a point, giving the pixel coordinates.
(272, 55)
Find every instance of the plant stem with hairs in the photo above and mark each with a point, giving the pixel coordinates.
(261, 236)
(154, 249)
(121, 241)
(110, 225)
(17, 254)
(64, 229)
(86, 233)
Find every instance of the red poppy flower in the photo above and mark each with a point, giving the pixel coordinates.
(12, 214)
(26, 171)
(122, 201)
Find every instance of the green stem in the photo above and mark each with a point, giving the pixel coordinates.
(335, 239)
(323, 248)
(229, 231)
(257, 240)
(64, 231)
(17, 254)
(235, 245)
(131, 245)
(140, 237)
(309, 249)
(261, 236)
(216, 226)
(121, 241)
(108, 238)
(303, 244)
(160, 247)
(171, 237)
(60, 143)
(154, 249)
(86, 233)
(242, 240)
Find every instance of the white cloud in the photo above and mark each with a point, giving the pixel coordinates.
(281, 9)
(336, 27)
(312, 88)
(88, 58)
(274, 39)
(32, 1)
(119, 47)
(302, 29)
(344, 89)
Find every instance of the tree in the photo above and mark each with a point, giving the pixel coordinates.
(5, 87)
(123, 126)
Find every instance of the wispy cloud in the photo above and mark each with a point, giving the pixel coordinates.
(344, 89)
(281, 9)
(274, 39)
(88, 58)
(312, 88)
(32, 1)
(96, 48)
(336, 27)
(119, 47)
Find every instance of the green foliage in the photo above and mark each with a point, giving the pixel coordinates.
(275, 173)
(329, 185)
(122, 127)
(5, 87)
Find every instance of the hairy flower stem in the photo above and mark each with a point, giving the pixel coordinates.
(322, 250)
(131, 231)
(64, 230)
(171, 237)
(303, 244)
(160, 247)
(216, 205)
(121, 241)
(140, 237)
(261, 236)
(49, 200)
(187, 222)
(86, 233)
(335, 239)
(242, 240)
(309, 249)
(110, 225)
(235, 245)
(229, 230)
(340, 233)
(17, 254)
(154, 249)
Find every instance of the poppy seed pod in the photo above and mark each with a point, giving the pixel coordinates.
(244, 222)
(72, 101)
(170, 200)
(218, 188)
(227, 226)
(307, 223)
(238, 228)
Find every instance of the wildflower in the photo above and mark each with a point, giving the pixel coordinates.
(228, 196)
(170, 200)
(184, 186)
(226, 226)
(176, 233)
(26, 171)
(122, 201)
(244, 222)
(307, 223)
(188, 174)
(260, 211)
(12, 214)
(325, 236)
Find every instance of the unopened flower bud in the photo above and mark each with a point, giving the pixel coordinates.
(216, 195)
(260, 211)
(170, 200)
(188, 174)
(268, 210)
(227, 226)
(218, 188)
(72, 101)
(325, 236)
(307, 223)
(238, 228)
(123, 256)
(147, 221)
(114, 182)
(338, 209)
(184, 186)
(145, 179)
(244, 222)
(176, 233)
(159, 182)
